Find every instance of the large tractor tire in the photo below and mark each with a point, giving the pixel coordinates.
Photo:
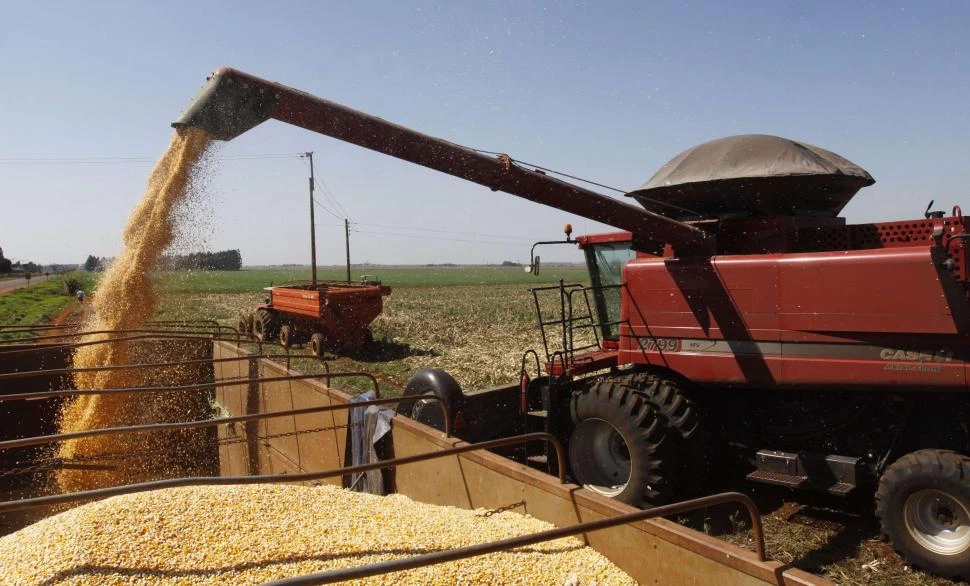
(317, 345)
(245, 325)
(685, 430)
(432, 381)
(266, 325)
(618, 444)
(923, 505)
(286, 336)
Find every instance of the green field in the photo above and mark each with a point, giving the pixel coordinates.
(255, 278)
(41, 301)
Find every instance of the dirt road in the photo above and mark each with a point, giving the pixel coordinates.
(8, 285)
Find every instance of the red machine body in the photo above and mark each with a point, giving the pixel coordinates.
(889, 308)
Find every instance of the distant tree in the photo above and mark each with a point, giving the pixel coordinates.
(224, 260)
(92, 264)
(5, 265)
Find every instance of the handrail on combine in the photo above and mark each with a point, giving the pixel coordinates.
(60, 437)
(340, 575)
(87, 495)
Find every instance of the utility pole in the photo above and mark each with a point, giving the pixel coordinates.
(313, 228)
(347, 240)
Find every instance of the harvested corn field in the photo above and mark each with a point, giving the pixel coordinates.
(251, 534)
(476, 332)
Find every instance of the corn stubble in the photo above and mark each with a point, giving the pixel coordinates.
(251, 534)
(125, 300)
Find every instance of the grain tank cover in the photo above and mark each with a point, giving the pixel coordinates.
(753, 175)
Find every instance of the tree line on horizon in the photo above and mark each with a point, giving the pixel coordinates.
(223, 260)
(7, 266)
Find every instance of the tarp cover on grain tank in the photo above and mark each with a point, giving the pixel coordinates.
(752, 175)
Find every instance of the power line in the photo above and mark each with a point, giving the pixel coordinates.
(548, 170)
(326, 209)
(518, 238)
(126, 159)
(328, 194)
(492, 242)
(333, 198)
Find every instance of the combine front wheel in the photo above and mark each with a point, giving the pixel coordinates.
(618, 446)
(684, 428)
(923, 505)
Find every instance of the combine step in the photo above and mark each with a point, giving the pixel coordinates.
(829, 473)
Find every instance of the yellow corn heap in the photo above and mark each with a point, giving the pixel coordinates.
(251, 534)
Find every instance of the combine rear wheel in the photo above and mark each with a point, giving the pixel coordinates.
(923, 505)
(618, 445)
(266, 325)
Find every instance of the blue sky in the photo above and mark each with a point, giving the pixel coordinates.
(603, 90)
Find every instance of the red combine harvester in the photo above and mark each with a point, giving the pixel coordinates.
(328, 315)
(734, 318)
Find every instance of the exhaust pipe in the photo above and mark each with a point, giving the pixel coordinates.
(230, 103)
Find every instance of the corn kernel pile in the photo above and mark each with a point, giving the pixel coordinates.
(251, 534)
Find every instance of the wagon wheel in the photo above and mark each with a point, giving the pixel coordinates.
(245, 324)
(286, 335)
(316, 345)
(266, 325)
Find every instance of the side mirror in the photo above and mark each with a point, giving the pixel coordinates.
(535, 266)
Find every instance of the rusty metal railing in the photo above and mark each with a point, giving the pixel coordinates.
(87, 495)
(450, 555)
(147, 365)
(195, 334)
(33, 396)
(61, 437)
(11, 347)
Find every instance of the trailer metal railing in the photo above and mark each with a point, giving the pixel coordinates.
(35, 395)
(88, 495)
(451, 555)
(62, 437)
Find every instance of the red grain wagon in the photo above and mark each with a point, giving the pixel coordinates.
(330, 314)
